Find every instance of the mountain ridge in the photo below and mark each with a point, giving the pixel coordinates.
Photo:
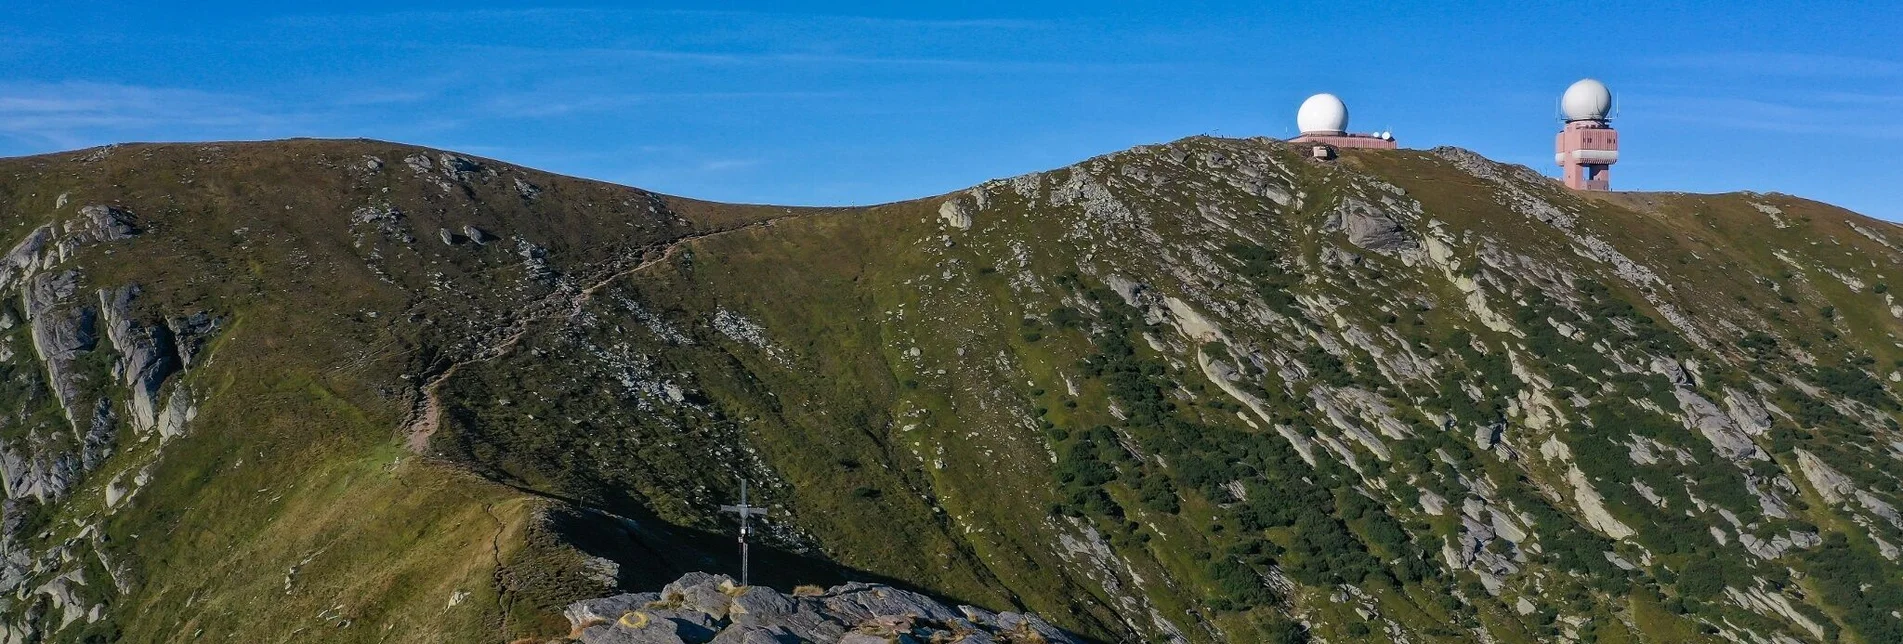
(1201, 390)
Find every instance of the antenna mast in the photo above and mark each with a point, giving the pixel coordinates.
(746, 511)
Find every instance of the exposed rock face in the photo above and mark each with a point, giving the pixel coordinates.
(60, 333)
(189, 333)
(955, 213)
(1593, 506)
(1726, 439)
(1370, 228)
(1830, 484)
(146, 354)
(42, 476)
(1748, 412)
(700, 607)
(103, 223)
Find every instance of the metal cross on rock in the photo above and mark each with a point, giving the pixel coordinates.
(746, 511)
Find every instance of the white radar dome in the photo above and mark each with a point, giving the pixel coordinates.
(1586, 100)
(1322, 114)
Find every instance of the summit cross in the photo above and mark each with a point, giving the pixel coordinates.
(746, 511)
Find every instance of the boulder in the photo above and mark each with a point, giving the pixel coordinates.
(40, 475)
(1370, 228)
(955, 214)
(701, 593)
(478, 235)
(607, 609)
(528, 190)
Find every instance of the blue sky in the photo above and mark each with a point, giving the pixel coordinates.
(833, 104)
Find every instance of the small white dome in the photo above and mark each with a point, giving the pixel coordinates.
(1586, 100)
(1322, 114)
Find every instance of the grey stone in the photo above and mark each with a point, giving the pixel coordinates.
(606, 609)
(700, 607)
(1486, 436)
(478, 235)
(24, 258)
(1746, 410)
(60, 334)
(457, 167)
(189, 334)
(652, 626)
(700, 592)
(1333, 256)
(760, 605)
(103, 223)
(528, 190)
(40, 475)
(858, 602)
(1705, 417)
(97, 439)
(1026, 623)
(755, 635)
(146, 357)
(1370, 228)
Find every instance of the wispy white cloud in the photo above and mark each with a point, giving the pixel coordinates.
(540, 104)
(1782, 64)
(1827, 113)
(604, 56)
(76, 114)
(570, 14)
(721, 165)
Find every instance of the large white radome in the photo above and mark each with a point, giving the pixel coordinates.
(1586, 100)
(1322, 114)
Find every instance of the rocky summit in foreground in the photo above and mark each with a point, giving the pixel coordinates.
(700, 607)
(1210, 390)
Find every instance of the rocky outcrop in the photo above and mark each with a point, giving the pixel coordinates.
(700, 607)
(1830, 484)
(189, 334)
(955, 214)
(146, 356)
(60, 333)
(40, 475)
(1775, 604)
(1747, 412)
(103, 224)
(1593, 506)
(1370, 228)
(1717, 426)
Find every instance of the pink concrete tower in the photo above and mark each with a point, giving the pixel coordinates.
(1587, 146)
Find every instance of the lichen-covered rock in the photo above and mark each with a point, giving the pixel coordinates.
(701, 607)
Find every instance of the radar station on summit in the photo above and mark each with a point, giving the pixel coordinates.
(1323, 119)
(1587, 145)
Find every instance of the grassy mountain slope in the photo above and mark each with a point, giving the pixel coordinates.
(1206, 391)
